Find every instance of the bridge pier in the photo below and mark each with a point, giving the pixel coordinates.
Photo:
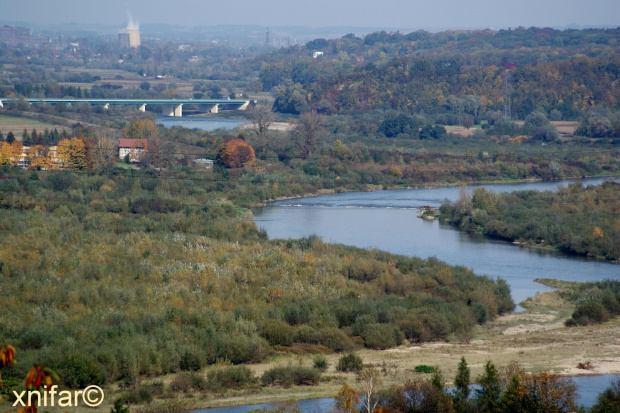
(209, 108)
(172, 110)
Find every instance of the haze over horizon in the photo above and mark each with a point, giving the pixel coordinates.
(394, 14)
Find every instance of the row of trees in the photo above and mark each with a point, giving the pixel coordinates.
(510, 390)
(75, 154)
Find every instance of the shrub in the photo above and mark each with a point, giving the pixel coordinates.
(289, 375)
(233, 377)
(320, 363)
(60, 181)
(191, 359)
(278, 333)
(139, 395)
(307, 334)
(79, 371)
(9, 185)
(588, 313)
(335, 339)
(350, 362)
(181, 383)
(381, 336)
(423, 368)
(240, 349)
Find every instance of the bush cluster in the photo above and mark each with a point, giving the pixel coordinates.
(287, 376)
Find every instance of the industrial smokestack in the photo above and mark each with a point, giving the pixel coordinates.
(131, 36)
(132, 24)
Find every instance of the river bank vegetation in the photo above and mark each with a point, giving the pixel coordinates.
(135, 275)
(575, 219)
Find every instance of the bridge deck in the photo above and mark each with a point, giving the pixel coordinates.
(234, 102)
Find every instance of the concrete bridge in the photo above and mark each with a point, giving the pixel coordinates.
(169, 107)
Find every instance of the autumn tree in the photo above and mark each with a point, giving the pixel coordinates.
(104, 154)
(72, 153)
(89, 148)
(542, 392)
(10, 153)
(261, 117)
(235, 154)
(347, 400)
(6, 153)
(369, 382)
(38, 158)
(141, 129)
(306, 131)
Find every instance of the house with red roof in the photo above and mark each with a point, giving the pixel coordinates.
(134, 148)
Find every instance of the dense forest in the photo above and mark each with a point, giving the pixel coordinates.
(575, 219)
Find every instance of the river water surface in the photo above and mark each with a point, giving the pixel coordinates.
(387, 220)
(201, 122)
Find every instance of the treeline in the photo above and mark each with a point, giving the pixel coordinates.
(575, 219)
(433, 85)
(111, 277)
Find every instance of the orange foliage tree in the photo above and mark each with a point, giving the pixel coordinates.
(38, 158)
(235, 154)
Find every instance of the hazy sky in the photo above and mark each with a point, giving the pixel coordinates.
(319, 13)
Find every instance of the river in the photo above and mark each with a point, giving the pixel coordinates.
(388, 220)
(201, 122)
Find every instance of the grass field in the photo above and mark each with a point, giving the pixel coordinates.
(17, 125)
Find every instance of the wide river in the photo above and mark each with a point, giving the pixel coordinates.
(387, 220)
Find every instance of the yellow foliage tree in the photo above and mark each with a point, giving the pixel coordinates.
(141, 129)
(6, 153)
(38, 158)
(10, 153)
(72, 153)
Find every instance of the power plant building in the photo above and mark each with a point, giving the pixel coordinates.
(129, 38)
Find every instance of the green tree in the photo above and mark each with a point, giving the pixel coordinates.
(513, 398)
(490, 391)
(461, 386)
(609, 400)
(119, 407)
